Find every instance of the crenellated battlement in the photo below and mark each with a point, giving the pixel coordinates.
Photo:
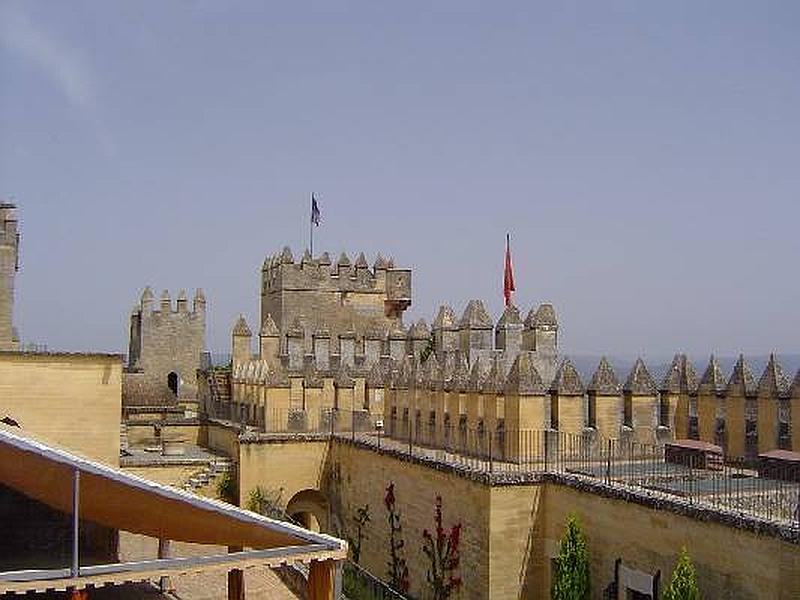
(9, 235)
(148, 307)
(341, 295)
(281, 272)
(332, 337)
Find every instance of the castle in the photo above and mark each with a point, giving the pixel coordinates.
(9, 265)
(344, 323)
(342, 298)
(344, 411)
(332, 339)
(165, 349)
(342, 408)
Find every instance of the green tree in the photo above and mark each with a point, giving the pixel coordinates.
(571, 576)
(684, 581)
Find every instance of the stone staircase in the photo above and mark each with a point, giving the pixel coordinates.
(202, 481)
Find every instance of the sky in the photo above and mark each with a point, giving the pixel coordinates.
(644, 157)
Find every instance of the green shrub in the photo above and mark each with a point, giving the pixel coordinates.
(684, 581)
(226, 488)
(571, 576)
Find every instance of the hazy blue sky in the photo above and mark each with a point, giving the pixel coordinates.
(645, 157)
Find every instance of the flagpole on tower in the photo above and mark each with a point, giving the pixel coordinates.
(508, 273)
(313, 222)
(311, 228)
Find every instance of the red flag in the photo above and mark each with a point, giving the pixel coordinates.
(508, 276)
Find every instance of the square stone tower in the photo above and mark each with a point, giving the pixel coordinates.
(9, 265)
(341, 298)
(166, 346)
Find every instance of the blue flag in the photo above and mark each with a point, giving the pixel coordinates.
(314, 211)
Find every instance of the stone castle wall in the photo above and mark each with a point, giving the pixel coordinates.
(471, 376)
(164, 340)
(9, 250)
(510, 533)
(450, 405)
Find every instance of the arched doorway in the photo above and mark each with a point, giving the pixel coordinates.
(309, 508)
(172, 382)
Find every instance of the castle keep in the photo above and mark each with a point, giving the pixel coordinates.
(343, 298)
(9, 265)
(165, 350)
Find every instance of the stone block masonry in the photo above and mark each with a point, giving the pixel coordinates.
(511, 525)
(9, 264)
(341, 298)
(166, 345)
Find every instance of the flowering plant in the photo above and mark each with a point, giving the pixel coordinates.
(398, 569)
(442, 550)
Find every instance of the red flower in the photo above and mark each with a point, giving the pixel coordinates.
(455, 535)
(389, 499)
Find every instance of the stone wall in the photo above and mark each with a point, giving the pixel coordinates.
(357, 480)
(142, 433)
(9, 242)
(731, 563)
(69, 400)
(511, 529)
(288, 466)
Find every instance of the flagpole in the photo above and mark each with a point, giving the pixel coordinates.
(311, 227)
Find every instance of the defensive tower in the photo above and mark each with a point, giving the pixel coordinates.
(166, 346)
(341, 297)
(9, 265)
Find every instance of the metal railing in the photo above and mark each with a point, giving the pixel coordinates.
(732, 485)
(360, 584)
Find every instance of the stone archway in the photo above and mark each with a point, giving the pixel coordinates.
(311, 509)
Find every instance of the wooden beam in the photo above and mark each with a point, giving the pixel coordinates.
(164, 582)
(235, 579)
(321, 577)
